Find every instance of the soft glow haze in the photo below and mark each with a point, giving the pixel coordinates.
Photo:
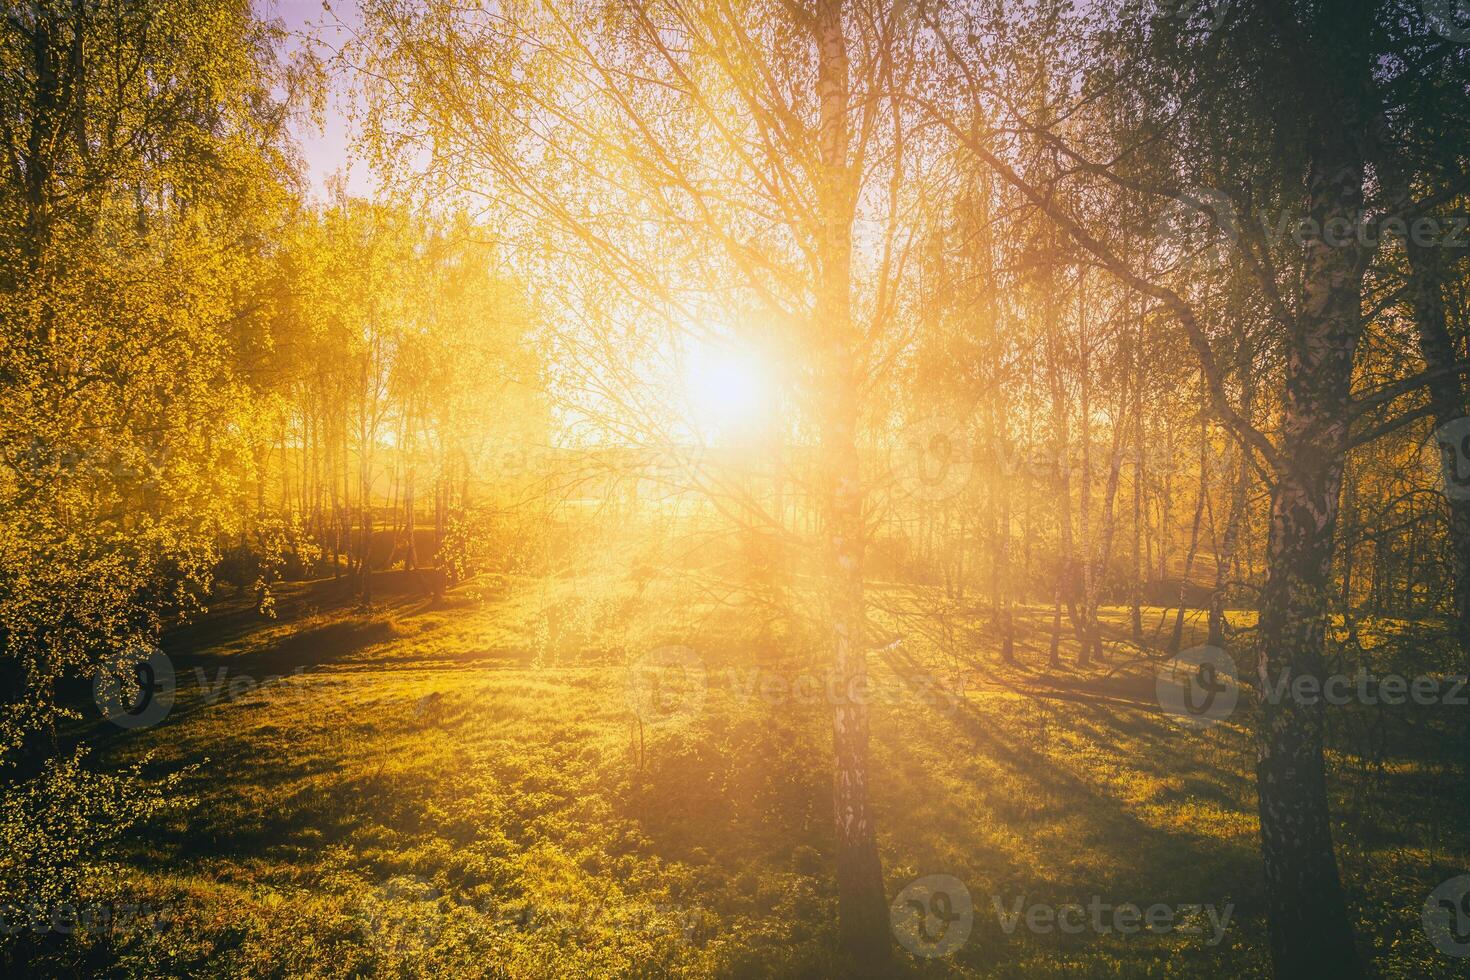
(729, 392)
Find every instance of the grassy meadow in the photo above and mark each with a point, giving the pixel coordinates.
(459, 787)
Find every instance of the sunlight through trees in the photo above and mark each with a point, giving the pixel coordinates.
(760, 488)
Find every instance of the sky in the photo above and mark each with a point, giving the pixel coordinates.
(325, 150)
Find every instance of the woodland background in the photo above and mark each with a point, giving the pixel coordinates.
(1084, 334)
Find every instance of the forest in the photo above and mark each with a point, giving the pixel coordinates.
(735, 488)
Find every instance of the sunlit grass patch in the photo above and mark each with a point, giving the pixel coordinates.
(431, 795)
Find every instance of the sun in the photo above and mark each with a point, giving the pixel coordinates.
(729, 391)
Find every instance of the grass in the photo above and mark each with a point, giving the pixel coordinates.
(458, 788)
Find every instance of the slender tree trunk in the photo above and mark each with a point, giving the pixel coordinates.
(411, 558)
(1054, 654)
(1105, 544)
(1165, 536)
(1228, 557)
(1447, 400)
(1136, 596)
(1061, 434)
(439, 514)
(285, 468)
(1349, 551)
(1003, 563)
(863, 925)
(1085, 638)
(334, 449)
(365, 503)
(1231, 537)
(1177, 639)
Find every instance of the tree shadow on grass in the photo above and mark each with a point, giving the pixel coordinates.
(316, 646)
(1038, 759)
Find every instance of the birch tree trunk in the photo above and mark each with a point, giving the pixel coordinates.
(1230, 540)
(863, 925)
(1135, 598)
(1176, 639)
(1309, 926)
